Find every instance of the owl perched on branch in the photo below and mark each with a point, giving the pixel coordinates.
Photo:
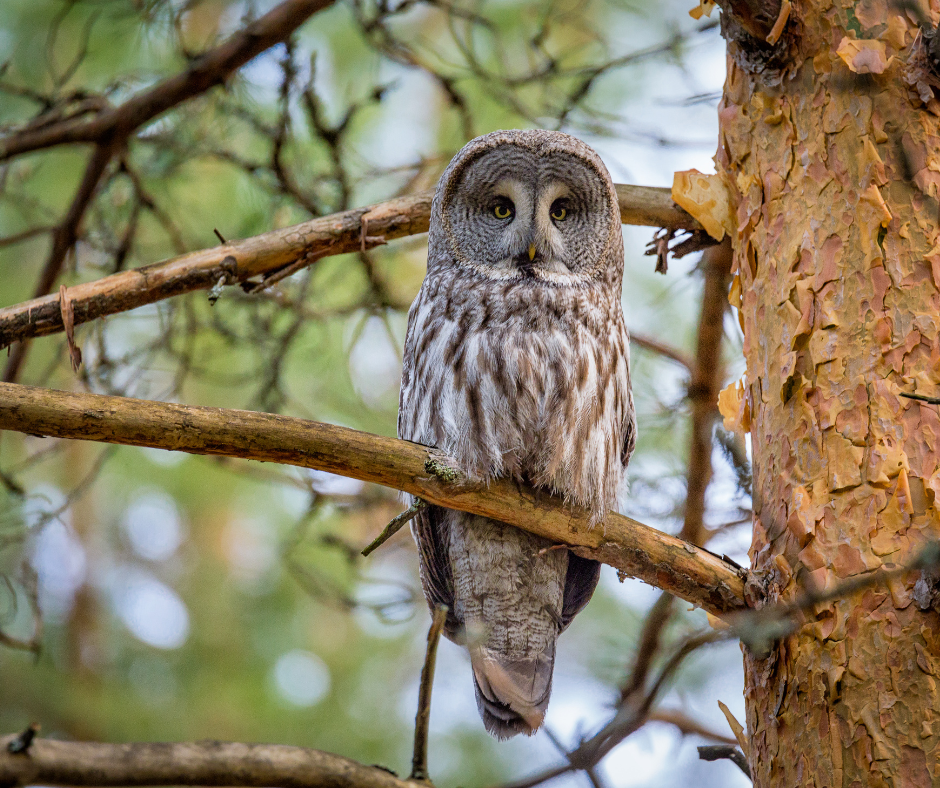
(517, 364)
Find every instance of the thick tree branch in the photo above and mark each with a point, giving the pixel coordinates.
(661, 348)
(50, 762)
(664, 561)
(212, 68)
(264, 255)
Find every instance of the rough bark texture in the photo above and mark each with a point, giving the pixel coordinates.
(659, 559)
(835, 165)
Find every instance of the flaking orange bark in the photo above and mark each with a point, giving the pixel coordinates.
(834, 165)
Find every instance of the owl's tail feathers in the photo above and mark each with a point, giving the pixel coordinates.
(512, 695)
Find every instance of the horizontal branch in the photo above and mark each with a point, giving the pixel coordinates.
(265, 254)
(50, 762)
(664, 561)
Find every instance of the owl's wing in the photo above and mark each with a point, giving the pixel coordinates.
(429, 529)
(580, 582)
(629, 427)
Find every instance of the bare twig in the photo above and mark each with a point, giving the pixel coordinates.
(395, 526)
(34, 643)
(419, 760)
(111, 128)
(656, 346)
(62, 240)
(656, 558)
(590, 771)
(715, 752)
(758, 629)
(25, 235)
(688, 726)
(922, 398)
(648, 645)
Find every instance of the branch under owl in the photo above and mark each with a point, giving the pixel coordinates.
(671, 564)
(255, 262)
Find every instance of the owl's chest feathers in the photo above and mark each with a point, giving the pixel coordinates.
(531, 387)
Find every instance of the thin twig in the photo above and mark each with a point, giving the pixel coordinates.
(628, 718)
(656, 346)
(25, 235)
(715, 752)
(688, 726)
(590, 772)
(396, 525)
(650, 638)
(759, 629)
(419, 759)
(922, 398)
(63, 239)
(704, 386)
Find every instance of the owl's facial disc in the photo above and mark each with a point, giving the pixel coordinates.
(513, 214)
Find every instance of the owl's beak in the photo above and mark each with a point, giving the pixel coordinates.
(531, 252)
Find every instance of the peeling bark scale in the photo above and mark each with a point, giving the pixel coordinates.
(834, 167)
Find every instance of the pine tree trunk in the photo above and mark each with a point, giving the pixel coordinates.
(830, 142)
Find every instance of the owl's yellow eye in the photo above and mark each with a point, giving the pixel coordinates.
(502, 210)
(559, 212)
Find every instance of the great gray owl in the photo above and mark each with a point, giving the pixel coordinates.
(517, 364)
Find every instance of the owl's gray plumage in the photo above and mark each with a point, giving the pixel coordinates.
(517, 364)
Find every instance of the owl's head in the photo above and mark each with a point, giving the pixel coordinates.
(536, 205)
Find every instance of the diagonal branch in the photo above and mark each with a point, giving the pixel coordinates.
(210, 69)
(263, 255)
(664, 561)
(50, 762)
